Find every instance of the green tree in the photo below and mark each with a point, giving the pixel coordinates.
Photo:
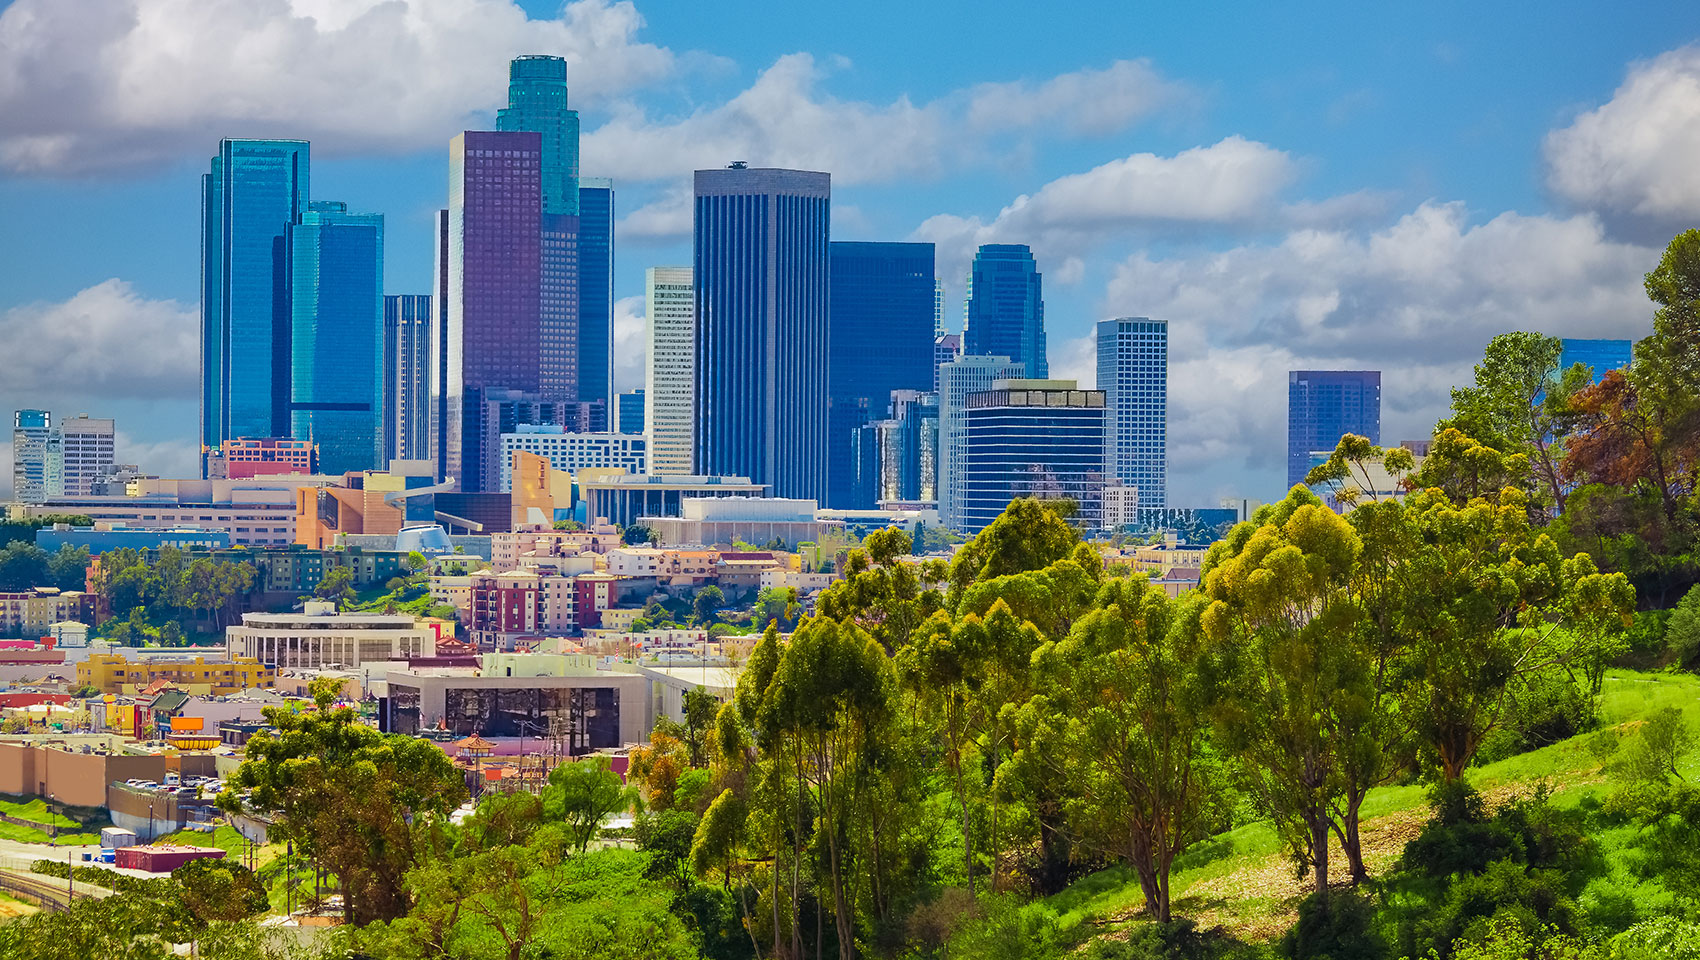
(1282, 615)
(636, 534)
(336, 584)
(705, 604)
(1682, 630)
(356, 802)
(700, 710)
(22, 566)
(582, 795)
(415, 561)
(1520, 403)
(882, 592)
(1129, 716)
(67, 569)
(220, 890)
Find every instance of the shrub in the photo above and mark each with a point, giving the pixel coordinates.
(1334, 925)
(1661, 938)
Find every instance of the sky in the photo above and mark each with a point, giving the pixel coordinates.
(1291, 186)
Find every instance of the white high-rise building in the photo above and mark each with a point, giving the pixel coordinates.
(571, 452)
(669, 360)
(958, 379)
(1133, 372)
(37, 467)
(88, 451)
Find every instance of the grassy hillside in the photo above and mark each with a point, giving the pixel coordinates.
(1245, 883)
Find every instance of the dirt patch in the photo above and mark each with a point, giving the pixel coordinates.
(11, 909)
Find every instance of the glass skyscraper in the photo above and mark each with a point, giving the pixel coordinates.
(880, 332)
(254, 191)
(537, 102)
(897, 457)
(761, 270)
(1032, 438)
(1325, 405)
(595, 373)
(630, 412)
(407, 376)
(336, 292)
(1133, 372)
(1600, 355)
(1006, 307)
(492, 285)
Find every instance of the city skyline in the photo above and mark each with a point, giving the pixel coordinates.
(1148, 262)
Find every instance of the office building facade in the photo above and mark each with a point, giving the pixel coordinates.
(407, 376)
(1600, 356)
(880, 333)
(900, 452)
(336, 372)
(595, 373)
(761, 271)
(957, 380)
(629, 410)
(1032, 438)
(1133, 373)
(571, 451)
(669, 374)
(254, 191)
(493, 270)
(87, 453)
(37, 465)
(1006, 307)
(1322, 407)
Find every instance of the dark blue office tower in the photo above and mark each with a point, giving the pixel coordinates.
(760, 255)
(1006, 307)
(596, 291)
(881, 339)
(1325, 405)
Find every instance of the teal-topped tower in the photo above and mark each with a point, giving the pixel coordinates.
(537, 103)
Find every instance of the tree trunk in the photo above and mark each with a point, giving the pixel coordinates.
(1156, 904)
(1319, 850)
(1351, 844)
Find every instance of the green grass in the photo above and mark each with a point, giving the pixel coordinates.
(36, 810)
(12, 831)
(224, 837)
(1568, 766)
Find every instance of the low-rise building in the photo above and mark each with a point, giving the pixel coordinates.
(111, 535)
(507, 549)
(320, 637)
(625, 497)
(31, 613)
(586, 709)
(255, 512)
(723, 521)
(116, 674)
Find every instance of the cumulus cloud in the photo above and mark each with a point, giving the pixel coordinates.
(629, 350)
(1417, 299)
(116, 83)
(1233, 181)
(785, 119)
(109, 351)
(1638, 154)
(107, 341)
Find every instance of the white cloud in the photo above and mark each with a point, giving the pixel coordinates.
(1087, 102)
(1232, 182)
(1637, 155)
(1417, 299)
(115, 83)
(784, 119)
(108, 351)
(107, 341)
(628, 343)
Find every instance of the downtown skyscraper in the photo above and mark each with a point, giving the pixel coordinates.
(1006, 308)
(761, 271)
(669, 370)
(883, 310)
(1133, 372)
(407, 376)
(254, 191)
(525, 274)
(1322, 407)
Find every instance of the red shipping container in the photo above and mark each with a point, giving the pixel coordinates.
(163, 858)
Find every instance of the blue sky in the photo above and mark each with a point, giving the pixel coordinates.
(1294, 185)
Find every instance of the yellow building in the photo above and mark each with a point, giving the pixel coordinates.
(112, 673)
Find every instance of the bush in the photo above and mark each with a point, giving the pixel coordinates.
(1662, 938)
(1176, 940)
(1334, 925)
(1682, 629)
(1553, 708)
